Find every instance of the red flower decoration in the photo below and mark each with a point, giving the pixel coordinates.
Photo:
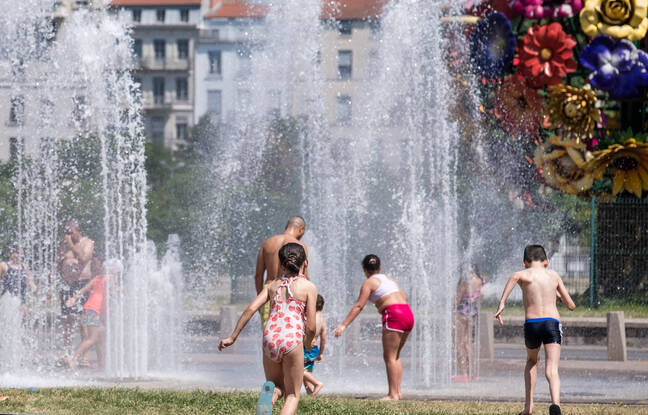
(546, 55)
(518, 108)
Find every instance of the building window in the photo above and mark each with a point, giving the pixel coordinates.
(215, 62)
(374, 64)
(345, 61)
(344, 111)
(17, 110)
(157, 129)
(14, 148)
(214, 103)
(158, 90)
(137, 84)
(82, 2)
(160, 49)
(79, 109)
(137, 15)
(46, 110)
(184, 15)
(137, 48)
(345, 27)
(160, 15)
(183, 49)
(181, 130)
(182, 89)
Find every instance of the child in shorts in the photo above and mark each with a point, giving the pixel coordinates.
(312, 385)
(540, 289)
(93, 309)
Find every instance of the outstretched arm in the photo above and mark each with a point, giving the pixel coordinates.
(311, 316)
(259, 301)
(365, 292)
(260, 269)
(322, 341)
(510, 284)
(30, 278)
(564, 296)
(70, 302)
(3, 269)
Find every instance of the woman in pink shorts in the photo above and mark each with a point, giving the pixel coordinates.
(397, 319)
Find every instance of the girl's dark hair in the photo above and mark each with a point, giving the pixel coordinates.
(292, 257)
(319, 304)
(371, 263)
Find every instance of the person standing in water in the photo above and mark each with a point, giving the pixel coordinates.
(15, 276)
(397, 319)
(541, 288)
(268, 260)
(290, 329)
(469, 292)
(73, 264)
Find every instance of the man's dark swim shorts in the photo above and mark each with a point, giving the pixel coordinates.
(539, 331)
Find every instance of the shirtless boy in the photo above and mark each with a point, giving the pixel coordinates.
(268, 258)
(540, 289)
(312, 385)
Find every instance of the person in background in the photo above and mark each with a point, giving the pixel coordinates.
(93, 313)
(312, 385)
(469, 290)
(14, 279)
(268, 260)
(397, 319)
(73, 263)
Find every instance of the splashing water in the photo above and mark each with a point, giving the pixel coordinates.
(83, 158)
(384, 184)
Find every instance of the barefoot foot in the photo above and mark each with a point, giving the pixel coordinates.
(318, 387)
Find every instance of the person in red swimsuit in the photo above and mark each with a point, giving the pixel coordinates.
(91, 319)
(290, 327)
(397, 319)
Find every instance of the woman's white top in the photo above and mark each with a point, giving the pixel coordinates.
(386, 287)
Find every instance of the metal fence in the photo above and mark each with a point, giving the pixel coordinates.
(619, 245)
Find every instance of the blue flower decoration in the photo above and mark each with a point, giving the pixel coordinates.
(492, 45)
(616, 67)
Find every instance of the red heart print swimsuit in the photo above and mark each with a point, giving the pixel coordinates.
(285, 327)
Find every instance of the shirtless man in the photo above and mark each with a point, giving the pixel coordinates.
(540, 289)
(73, 263)
(268, 258)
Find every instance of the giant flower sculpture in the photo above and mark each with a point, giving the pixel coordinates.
(561, 163)
(518, 107)
(547, 9)
(573, 110)
(621, 19)
(627, 163)
(617, 67)
(546, 55)
(492, 45)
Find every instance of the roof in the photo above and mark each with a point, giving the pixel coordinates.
(352, 9)
(153, 3)
(331, 9)
(237, 9)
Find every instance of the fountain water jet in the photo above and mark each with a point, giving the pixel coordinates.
(83, 157)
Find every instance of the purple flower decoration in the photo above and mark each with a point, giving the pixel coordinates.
(547, 9)
(492, 45)
(616, 67)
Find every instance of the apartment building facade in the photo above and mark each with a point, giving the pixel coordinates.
(165, 33)
(18, 99)
(348, 57)
(223, 60)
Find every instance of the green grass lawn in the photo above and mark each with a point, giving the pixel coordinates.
(132, 401)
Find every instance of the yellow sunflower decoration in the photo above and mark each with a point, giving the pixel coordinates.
(628, 164)
(561, 163)
(621, 19)
(574, 110)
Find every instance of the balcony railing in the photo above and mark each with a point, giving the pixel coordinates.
(165, 64)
